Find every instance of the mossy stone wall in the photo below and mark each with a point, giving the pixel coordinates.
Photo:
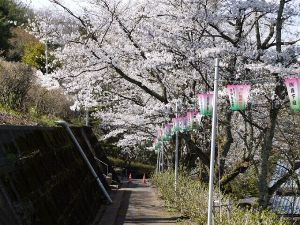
(43, 178)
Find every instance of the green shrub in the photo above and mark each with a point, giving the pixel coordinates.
(139, 168)
(34, 55)
(191, 199)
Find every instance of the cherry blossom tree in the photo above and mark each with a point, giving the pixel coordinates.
(135, 60)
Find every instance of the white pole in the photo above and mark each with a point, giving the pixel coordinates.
(213, 144)
(46, 55)
(176, 150)
(157, 162)
(86, 116)
(162, 157)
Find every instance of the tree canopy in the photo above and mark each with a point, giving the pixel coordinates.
(135, 61)
(12, 14)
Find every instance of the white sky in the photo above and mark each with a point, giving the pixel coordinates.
(46, 4)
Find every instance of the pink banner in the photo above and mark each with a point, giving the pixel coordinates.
(293, 88)
(205, 103)
(238, 96)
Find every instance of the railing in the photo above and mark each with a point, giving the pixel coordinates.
(98, 160)
(65, 125)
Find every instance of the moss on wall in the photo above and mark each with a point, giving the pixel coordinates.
(43, 178)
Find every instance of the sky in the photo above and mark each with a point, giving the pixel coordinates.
(46, 4)
(37, 4)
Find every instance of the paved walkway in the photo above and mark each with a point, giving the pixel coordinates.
(140, 205)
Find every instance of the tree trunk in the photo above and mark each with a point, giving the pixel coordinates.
(265, 155)
(228, 141)
(269, 134)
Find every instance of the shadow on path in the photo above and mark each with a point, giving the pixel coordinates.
(121, 216)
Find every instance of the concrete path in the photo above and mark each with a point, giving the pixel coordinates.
(141, 205)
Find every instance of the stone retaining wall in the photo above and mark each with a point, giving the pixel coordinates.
(43, 178)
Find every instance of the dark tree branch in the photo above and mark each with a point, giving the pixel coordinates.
(201, 74)
(128, 33)
(240, 167)
(223, 35)
(135, 82)
(89, 70)
(283, 179)
(140, 85)
(134, 100)
(204, 157)
(265, 44)
(70, 12)
(283, 43)
(251, 122)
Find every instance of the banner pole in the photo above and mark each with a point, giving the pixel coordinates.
(213, 145)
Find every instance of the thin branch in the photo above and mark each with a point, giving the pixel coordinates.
(251, 122)
(223, 35)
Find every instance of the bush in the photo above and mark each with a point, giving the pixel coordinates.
(34, 55)
(19, 92)
(191, 199)
(16, 80)
(137, 168)
(41, 101)
(20, 38)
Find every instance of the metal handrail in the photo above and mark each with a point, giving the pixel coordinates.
(72, 136)
(98, 160)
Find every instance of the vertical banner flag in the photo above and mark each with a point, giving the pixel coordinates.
(159, 134)
(198, 118)
(182, 121)
(167, 132)
(205, 103)
(293, 88)
(156, 145)
(192, 120)
(238, 96)
(158, 140)
(175, 123)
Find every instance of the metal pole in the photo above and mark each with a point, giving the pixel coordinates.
(86, 116)
(162, 158)
(69, 131)
(176, 149)
(157, 162)
(213, 144)
(46, 56)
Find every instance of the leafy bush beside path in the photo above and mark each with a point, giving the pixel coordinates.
(191, 200)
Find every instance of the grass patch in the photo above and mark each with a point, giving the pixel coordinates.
(9, 116)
